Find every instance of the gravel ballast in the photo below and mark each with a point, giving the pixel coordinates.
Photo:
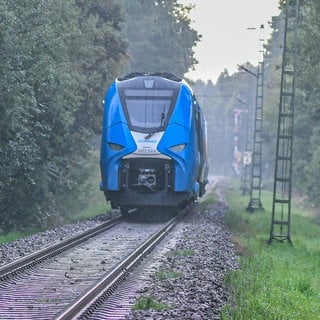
(202, 258)
(22, 247)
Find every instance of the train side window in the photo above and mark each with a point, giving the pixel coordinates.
(198, 127)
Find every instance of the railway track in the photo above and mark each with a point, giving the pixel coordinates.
(11, 269)
(76, 276)
(98, 295)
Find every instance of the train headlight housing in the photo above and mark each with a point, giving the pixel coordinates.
(178, 147)
(115, 146)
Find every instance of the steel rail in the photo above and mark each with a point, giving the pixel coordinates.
(90, 301)
(13, 268)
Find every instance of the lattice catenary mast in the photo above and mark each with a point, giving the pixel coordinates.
(255, 189)
(281, 207)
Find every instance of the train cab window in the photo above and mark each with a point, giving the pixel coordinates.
(148, 110)
(199, 125)
(147, 113)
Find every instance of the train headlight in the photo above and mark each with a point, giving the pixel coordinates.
(178, 147)
(115, 146)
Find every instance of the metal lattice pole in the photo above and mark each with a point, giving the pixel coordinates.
(281, 206)
(255, 190)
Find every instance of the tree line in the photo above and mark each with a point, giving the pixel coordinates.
(56, 60)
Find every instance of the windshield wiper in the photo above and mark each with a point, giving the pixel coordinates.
(163, 116)
(150, 135)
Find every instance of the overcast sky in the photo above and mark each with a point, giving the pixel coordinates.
(226, 40)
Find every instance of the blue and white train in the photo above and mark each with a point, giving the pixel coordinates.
(154, 143)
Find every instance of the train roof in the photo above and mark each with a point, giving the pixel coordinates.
(169, 76)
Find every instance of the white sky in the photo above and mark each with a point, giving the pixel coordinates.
(226, 41)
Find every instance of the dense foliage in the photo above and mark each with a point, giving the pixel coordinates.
(53, 72)
(307, 125)
(229, 94)
(56, 60)
(306, 119)
(160, 37)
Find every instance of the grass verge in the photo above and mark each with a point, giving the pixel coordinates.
(11, 236)
(91, 211)
(277, 281)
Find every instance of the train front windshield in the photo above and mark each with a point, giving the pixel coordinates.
(148, 109)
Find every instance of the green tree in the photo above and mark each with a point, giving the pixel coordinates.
(307, 116)
(99, 54)
(55, 66)
(160, 36)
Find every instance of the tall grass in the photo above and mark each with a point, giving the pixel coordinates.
(277, 281)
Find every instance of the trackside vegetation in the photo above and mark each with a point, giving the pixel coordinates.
(277, 281)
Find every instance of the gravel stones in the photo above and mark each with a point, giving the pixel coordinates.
(22, 247)
(203, 257)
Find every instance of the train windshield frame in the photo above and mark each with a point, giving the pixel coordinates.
(148, 109)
